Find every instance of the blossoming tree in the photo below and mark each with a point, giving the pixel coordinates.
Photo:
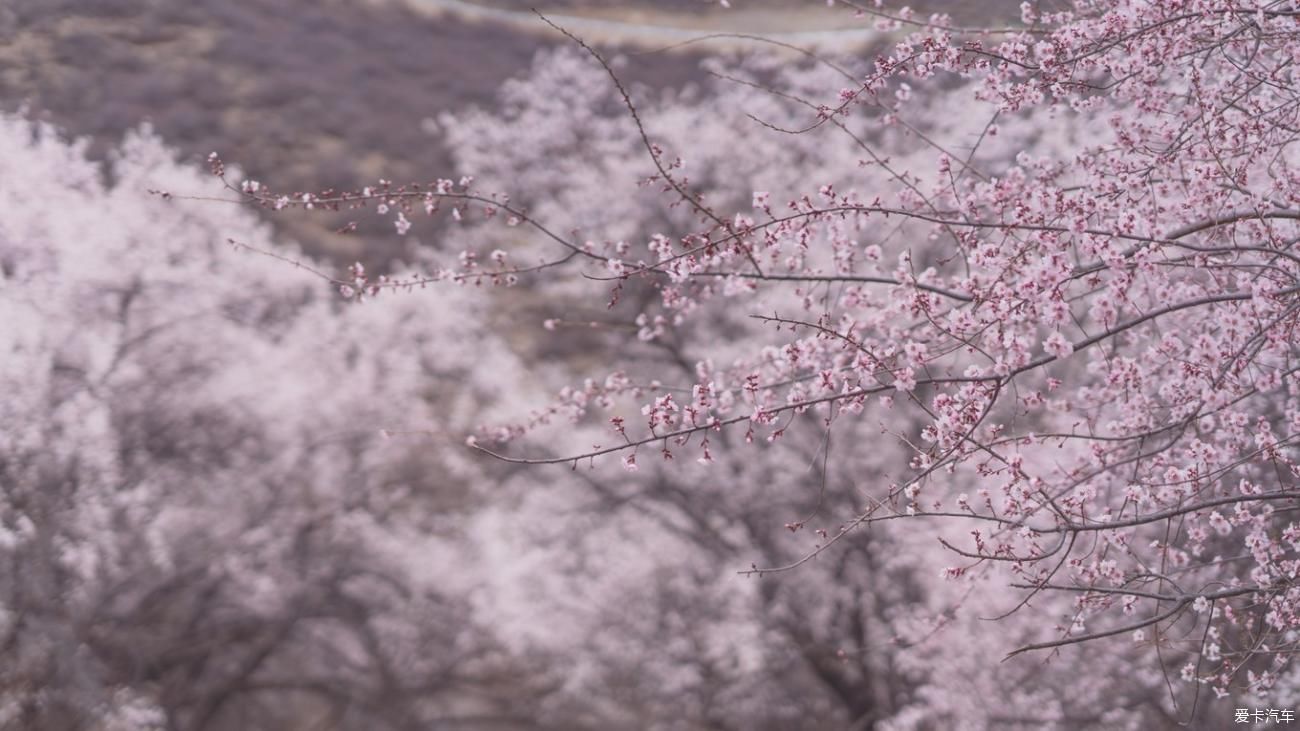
(198, 528)
(1069, 297)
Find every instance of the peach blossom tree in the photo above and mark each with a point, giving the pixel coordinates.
(1052, 265)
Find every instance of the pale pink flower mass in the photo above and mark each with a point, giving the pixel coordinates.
(1007, 317)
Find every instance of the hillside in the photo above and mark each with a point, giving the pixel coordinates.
(321, 94)
(331, 93)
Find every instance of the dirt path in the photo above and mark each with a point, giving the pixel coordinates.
(807, 26)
